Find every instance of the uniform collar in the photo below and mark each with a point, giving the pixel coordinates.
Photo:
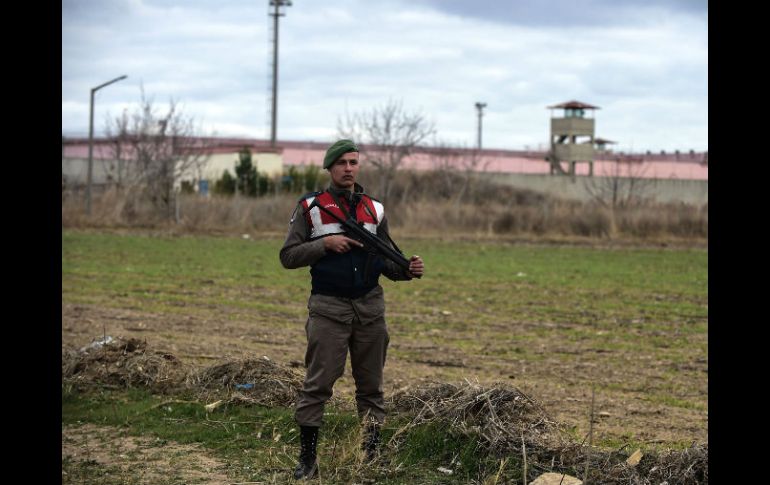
(345, 193)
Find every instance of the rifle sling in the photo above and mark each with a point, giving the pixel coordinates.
(342, 207)
(347, 214)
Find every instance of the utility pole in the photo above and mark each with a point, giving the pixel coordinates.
(480, 107)
(277, 13)
(89, 180)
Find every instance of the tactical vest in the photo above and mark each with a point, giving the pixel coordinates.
(356, 272)
(351, 274)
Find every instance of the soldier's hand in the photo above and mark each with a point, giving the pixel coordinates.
(340, 244)
(416, 266)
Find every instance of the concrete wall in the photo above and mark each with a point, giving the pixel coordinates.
(568, 152)
(572, 126)
(581, 187)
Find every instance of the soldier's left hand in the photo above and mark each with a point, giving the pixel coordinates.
(416, 266)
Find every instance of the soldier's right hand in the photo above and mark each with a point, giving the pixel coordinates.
(340, 244)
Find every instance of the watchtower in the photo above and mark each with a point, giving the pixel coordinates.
(600, 144)
(572, 137)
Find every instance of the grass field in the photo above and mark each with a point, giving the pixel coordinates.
(555, 321)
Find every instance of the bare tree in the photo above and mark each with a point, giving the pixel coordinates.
(155, 150)
(622, 185)
(117, 133)
(386, 136)
(456, 168)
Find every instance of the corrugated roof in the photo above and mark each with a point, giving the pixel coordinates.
(573, 104)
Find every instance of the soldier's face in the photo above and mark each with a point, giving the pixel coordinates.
(345, 170)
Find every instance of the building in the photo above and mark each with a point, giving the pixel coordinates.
(216, 155)
(679, 175)
(572, 137)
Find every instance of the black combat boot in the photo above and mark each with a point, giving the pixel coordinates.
(371, 441)
(307, 466)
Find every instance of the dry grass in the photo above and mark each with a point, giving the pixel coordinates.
(500, 414)
(502, 419)
(121, 363)
(130, 209)
(266, 382)
(424, 204)
(508, 423)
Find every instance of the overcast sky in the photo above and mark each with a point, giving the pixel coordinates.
(643, 62)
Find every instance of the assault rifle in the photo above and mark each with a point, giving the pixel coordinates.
(371, 242)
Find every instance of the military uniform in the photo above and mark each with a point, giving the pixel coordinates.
(346, 308)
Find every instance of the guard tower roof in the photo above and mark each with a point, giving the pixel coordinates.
(573, 105)
(604, 142)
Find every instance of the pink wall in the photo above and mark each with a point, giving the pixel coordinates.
(688, 166)
(664, 169)
(81, 151)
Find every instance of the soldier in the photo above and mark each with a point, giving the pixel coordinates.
(346, 305)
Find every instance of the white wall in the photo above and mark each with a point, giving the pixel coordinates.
(265, 163)
(75, 170)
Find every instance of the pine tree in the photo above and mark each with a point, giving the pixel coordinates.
(225, 185)
(246, 173)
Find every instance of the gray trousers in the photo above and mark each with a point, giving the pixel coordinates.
(328, 343)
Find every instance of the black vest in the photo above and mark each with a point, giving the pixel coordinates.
(348, 275)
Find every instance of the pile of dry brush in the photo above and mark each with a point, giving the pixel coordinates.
(504, 420)
(119, 363)
(511, 424)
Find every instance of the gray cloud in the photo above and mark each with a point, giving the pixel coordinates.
(649, 76)
(566, 13)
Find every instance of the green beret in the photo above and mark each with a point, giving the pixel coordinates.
(338, 149)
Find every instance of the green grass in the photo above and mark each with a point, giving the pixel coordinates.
(259, 443)
(138, 267)
(639, 316)
(676, 402)
(478, 283)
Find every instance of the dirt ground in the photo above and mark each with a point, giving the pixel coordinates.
(557, 383)
(94, 454)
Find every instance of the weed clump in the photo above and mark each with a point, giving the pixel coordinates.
(506, 424)
(258, 381)
(121, 363)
